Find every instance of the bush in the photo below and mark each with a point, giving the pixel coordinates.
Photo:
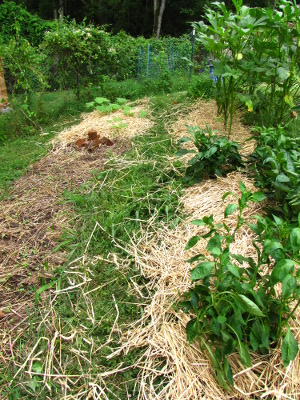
(16, 22)
(24, 66)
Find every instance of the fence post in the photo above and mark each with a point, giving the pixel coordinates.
(172, 57)
(139, 61)
(192, 52)
(148, 60)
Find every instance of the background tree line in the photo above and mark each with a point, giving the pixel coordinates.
(136, 17)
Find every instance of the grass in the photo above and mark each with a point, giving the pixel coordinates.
(133, 89)
(21, 142)
(25, 135)
(108, 210)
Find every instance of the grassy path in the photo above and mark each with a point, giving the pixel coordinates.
(60, 225)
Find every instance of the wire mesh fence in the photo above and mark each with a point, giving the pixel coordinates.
(172, 56)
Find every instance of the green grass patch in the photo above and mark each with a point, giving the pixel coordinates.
(17, 155)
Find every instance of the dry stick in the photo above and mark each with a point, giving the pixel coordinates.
(116, 319)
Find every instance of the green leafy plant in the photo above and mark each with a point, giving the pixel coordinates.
(216, 154)
(233, 299)
(255, 55)
(276, 162)
(104, 105)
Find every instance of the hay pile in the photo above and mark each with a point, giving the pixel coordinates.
(106, 126)
(205, 112)
(171, 368)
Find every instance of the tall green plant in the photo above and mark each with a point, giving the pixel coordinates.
(255, 54)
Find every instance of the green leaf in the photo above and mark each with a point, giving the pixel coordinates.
(217, 368)
(221, 319)
(195, 258)
(288, 285)
(198, 222)
(282, 178)
(208, 220)
(191, 330)
(183, 152)
(271, 246)
(281, 269)
(226, 195)
(283, 74)
(253, 341)
(192, 242)
(184, 140)
(202, 270)
(289, 100)
(234, 270)
(257, 196)
(295, 239)
(142, 114)
(37, 367)
(211, 151)
(214, 245)
(121, 100)
(228, 371)
(90, 104)
(194, 298)
(242, 187)
(244, 354)
(289, 348)
(101, 100)
(215, 326)
(43, 289)
(250, 306)
(230, 209)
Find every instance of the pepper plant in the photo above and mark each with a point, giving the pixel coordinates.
(233, 299)
(216, 154)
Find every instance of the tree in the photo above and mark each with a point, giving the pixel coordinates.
(158, 9)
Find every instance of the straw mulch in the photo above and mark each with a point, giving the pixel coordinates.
(105, 125)
(205, 113)
(171, 368)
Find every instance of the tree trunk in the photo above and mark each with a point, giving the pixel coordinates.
(61, 10)
(3, 92)
(159, 8)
